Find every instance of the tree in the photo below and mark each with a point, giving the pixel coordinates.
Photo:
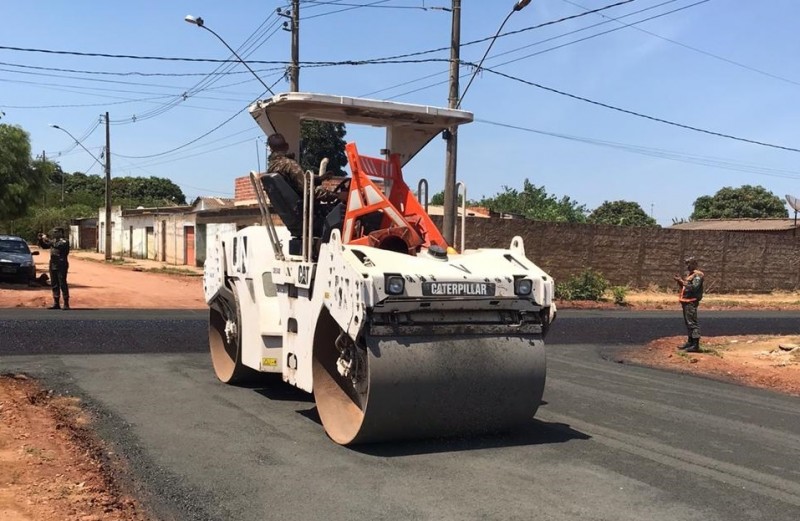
(621, 213)
(744, 202)
(146, 191)
(323, 139)
(437, 199)
(534, 202)
(20, 182)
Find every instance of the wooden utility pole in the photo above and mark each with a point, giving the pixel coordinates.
(294, 73)
(451, 134)
(108, 190)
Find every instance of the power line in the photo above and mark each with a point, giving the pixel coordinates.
(691, 48)
(509, 33)
(416, 7)
(549, 49)
(129, 73)
(672, 155)
(641, 115)
(273, 62)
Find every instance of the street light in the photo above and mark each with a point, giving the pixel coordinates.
(107, 167)
(518, 6)
(199, 22)
(451, 134)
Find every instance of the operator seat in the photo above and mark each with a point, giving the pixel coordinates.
(287, 203)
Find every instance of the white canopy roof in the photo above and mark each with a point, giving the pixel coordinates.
(408, 127)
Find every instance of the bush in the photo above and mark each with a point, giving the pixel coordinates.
(588, 285)
(619, 292)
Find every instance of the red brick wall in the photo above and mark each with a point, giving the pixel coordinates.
(243, 189)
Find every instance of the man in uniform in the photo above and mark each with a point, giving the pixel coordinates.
(59, 265)
(281, 163)
(691, 292)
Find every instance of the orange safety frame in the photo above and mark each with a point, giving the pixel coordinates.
(403, 215)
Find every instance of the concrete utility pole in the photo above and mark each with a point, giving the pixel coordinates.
(451, 134)
(294, 72)
(108, 190)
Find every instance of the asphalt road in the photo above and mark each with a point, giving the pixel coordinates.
(611, 442)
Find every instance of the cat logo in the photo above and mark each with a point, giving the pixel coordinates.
(302, 274)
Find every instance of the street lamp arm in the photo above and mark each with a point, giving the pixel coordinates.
(518, 6)
(198, 21)
(67, 132)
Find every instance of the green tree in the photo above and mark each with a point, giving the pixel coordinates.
(20, 182)
(621, 213)
(744, 202)
(534, 202)
(146, 191)
(322, 139)
(437, 199)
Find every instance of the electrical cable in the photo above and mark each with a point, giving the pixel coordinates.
(640, 114)
(672, 155)
(549, 49)
(691, 48)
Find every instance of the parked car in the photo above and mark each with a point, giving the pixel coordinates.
(16, 259)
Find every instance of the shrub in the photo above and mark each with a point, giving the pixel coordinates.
(619, 292)
(588, 285)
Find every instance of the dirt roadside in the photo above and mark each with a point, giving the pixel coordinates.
(53, 467)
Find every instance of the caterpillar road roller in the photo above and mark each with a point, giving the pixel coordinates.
(364, 304)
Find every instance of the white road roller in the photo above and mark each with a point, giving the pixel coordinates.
(397, 334)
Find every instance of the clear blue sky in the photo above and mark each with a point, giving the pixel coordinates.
(627, 68)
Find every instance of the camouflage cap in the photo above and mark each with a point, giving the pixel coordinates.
(690, 259)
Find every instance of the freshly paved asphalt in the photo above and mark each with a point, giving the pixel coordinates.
(611, 441)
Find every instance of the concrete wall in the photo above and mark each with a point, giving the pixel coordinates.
(116, 230)
(732, 261)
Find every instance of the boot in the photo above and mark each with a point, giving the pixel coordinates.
(695, 347)
(66, 304)
(55, 305)
(686, 345)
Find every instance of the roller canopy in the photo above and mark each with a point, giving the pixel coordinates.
(408, 127)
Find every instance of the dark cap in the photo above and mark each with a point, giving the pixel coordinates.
(277, 142)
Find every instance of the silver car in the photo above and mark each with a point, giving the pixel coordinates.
(16, 259)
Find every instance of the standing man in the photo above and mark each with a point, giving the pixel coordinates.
(59, 265)
(691, 293)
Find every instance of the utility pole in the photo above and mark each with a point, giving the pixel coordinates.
(451, 134)
(294, 72)
(108, 190)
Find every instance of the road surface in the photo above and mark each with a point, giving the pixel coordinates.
(611, 441)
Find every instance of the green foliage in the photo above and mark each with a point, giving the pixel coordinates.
(44, 219)
(146, 191)
(20, 182)
(438, 199)
(322, 139)
(619, 292)
(744, 202)
(621, 213)
(535, 203)
(588, 285)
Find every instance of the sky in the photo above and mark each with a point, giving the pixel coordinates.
(720, 66)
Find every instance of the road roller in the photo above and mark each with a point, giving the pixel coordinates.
(398, 334)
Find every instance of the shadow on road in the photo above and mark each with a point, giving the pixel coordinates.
(273, 387)
(535, 432)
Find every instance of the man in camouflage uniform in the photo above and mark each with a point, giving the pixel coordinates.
(281, 163)
(59, 265)
(691, 293)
